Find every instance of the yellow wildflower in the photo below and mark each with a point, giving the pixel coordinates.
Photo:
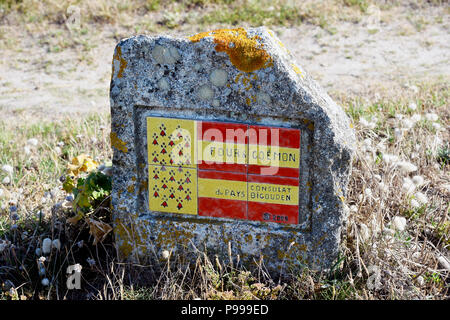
(82, 163)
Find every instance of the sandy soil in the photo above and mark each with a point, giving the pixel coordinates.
(350, 58)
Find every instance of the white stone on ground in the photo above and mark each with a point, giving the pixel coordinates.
(7, 169)
(46, 245)
(399, 223)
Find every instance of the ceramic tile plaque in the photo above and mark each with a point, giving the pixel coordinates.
(223, 169)
(223, 144)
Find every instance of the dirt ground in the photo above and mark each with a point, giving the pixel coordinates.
(346, 58)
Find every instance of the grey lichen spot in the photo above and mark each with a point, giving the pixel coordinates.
(163, 84)
(218, 77)
(205, 92)
(263, 97)
(165, 55)
(216, 103)
(197, 66)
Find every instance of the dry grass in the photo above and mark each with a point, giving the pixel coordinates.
(379, 260)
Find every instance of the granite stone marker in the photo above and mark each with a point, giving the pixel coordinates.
(221, 141)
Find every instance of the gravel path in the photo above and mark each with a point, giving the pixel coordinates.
(351, 59)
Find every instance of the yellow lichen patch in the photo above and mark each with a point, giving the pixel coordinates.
(143, 186)
(245, 52)
(130, 188)
(117, 143)
(122, 61)
(296, 69)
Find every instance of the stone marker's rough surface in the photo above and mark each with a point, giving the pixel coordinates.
(178, 188)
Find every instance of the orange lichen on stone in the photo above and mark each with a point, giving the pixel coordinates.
(245, 52)
(122, 61)
(117, 143)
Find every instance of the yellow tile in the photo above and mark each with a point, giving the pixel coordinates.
(171, 142)
(222, 189)
(223, 152)
(273, 156)
(173, 189)
(272, 193)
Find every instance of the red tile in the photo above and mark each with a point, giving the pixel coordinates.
(230, 167)
(284, 172)
(222, 175)
(222, 131)
(273, 180)
(273, 136)
(222, 208)
(279, 213)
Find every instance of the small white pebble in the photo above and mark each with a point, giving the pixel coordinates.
(408, 186)
(45, 282)
(436, 126)
(367, 142)
(368, 192)
(417, 180)
(353, 208)
(422, 198)
(416, 117)
(46, 245)
(431, 117)
(7, 169)
(407, 123)
(364, 123)
(165, 254)
(406, 167)
(412, 106)
(6, 180)
(415, 204)
(32, 142)
(56, 244)
(58, 150)
(27, 150)
(420, 281)
(398, 133)
(383, 187)
(399, 223)
(390, 158)
(364, 232)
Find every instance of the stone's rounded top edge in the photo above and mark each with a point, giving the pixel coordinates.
(185, 37)
(150, 39)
